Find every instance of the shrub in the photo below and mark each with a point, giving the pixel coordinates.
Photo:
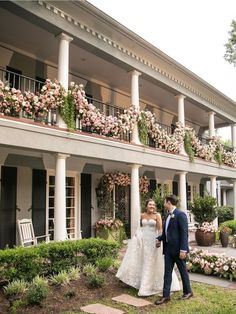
(15, 287)
(224, 213)
(90, 269)
(74, 273)
(95, 280)
(51, 258)
(230, 224)
(203, 208)
(104, 263)
(38, 290)
(61, 279)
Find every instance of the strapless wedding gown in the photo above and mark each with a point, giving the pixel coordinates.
(143, 263)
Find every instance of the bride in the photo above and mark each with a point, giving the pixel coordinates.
(143, 263)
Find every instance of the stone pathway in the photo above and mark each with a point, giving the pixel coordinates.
(98, 308)
(127, 299)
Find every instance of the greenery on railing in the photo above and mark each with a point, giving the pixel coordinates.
(73, 103)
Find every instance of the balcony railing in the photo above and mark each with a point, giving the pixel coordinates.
(25, 83)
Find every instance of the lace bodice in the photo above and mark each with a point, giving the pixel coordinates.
(149, 223)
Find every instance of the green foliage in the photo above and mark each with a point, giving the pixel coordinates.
(224, 213)
(159, 199)
(67, 111)
(15, 287)
(219, 154)
(203, 208)
(95, 280)
(20, 263)
(104, 263)
(142, 128)
(61, 279)
(90, 269)
(230, 54)
(74, 273)
(38, 290)
(51, 258)
(231, 224)
(188, 146)
(143, 200)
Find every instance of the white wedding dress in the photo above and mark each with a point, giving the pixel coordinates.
(143, 263)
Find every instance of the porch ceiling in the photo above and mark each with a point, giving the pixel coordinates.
(89, 146)
(91, 63)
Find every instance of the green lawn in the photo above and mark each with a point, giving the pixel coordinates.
(207, 299)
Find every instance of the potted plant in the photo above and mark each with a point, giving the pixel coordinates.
(110, 229)
(224, 235)
(203, 209)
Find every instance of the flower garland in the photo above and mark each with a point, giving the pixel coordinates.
(201, 261)
(109, 180)
(73, 103)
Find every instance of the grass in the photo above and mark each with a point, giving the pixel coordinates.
(207, 299)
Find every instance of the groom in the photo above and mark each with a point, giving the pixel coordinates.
(175, 248)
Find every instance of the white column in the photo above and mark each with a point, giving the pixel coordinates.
(213, 194)
(182, 191)
(213, 186)
(218, 193)
(211, 124)
(224, 197)
(60, 198)
(135, 102)
(63, 68)
(234, 192)
(233, 135)
(135, 199)
(181, 115)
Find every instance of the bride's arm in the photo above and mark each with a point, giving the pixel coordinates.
(159, 223)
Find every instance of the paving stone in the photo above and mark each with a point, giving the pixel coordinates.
(127, 299)
(210, 280)
(232, 286)
(98, 308)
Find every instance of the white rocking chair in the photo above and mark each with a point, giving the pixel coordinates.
(26, 233)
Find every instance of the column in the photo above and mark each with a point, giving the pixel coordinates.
(135, 102)
(213, 193)
(218, 193)
(182, 191)
(213, 186)
(135, 199)
(233, 135)
(63, 68)
(234, 192)
(60, 198)
(211, 124)
(224, 197)
(181, 118)
(181, 115)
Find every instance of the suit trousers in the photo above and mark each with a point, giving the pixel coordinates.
(170, 261)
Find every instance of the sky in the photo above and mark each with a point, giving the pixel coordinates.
(192, 32)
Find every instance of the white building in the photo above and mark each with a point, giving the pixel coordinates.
(50, 174)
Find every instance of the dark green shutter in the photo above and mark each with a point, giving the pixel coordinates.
(8, 206)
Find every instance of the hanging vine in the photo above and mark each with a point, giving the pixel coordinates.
(142, 128)
(67, 111)
(188, 146)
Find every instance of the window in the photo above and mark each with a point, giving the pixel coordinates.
(70, 206)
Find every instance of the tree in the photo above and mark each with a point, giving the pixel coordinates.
(230, 55)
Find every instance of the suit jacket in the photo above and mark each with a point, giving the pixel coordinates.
(177, 234)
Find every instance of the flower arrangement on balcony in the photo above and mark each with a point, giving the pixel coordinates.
(73, 103)
(202, 261)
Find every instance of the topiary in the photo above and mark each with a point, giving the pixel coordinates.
(203, 208)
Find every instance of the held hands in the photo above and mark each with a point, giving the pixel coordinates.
(182, 255)
(158, 243)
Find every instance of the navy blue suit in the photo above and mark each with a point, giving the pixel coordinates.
(174, 241)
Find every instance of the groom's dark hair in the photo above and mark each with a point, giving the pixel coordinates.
(172, 199)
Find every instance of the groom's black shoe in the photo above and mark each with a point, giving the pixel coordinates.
(186, 296)
(162, 300)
